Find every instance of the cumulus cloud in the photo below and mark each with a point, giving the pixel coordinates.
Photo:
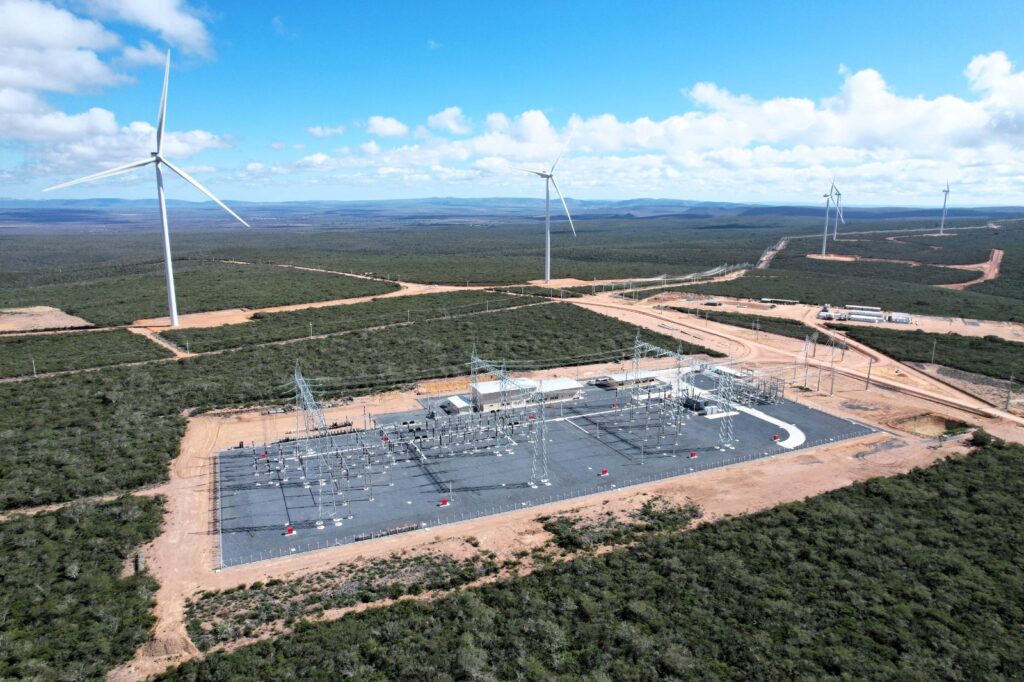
(175, 21)
(146, 54)
(450, 119)
(386, 126)
(885, 146)
(325, 131)
(45, 47)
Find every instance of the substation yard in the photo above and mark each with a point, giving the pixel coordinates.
(411, 472)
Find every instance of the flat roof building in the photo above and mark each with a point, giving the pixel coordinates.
(487, 395)
(559, 388)
(456, 404)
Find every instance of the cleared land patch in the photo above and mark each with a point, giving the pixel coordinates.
(38, 317)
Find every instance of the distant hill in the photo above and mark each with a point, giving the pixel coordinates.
(123, 213)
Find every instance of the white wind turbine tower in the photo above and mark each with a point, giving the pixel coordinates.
(156, 159)
(828, 211)
(549, 180)
(945, 198)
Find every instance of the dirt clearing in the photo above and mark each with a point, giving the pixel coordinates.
(38, 317)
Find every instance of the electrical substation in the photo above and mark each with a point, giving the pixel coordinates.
(524, 442)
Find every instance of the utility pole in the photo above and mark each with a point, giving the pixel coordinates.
(1009, 392)
(310, 330)
(832, 370)
(934, 343)
(867, 382)
(33, 365)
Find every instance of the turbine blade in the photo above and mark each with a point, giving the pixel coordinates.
(527, 170)
(104, 174)
(195, 183)
(559, 158)
(564, 205)
(161, 116)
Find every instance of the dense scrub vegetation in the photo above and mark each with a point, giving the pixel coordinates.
(267, 327)
(115, 428)
(76, 350)
(988, 355)
(920, 576)
(65, 614)
(120, 294)
(216, 617)
(417, 251)
(772, 325)
(817, 288)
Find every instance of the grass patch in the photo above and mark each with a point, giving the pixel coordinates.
(78, 350)
(917, 576)
(989, 355)
(67, 615)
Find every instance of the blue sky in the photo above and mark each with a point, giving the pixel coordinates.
(719, 101)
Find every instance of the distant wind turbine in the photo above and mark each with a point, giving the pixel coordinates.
(945, 198)
(838, 199)
(549, 180)
(156, 159)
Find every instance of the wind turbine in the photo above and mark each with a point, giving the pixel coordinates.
(828, 211)
(839, 210)
(156, 159)
(549, 180)
(945, 198)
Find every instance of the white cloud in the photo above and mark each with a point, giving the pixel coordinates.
(43, 47)
(277, 145)
(324, 131)
(279, 27)
(450, 119)
(434, 45)
(146, 54)
(884, 146)
(23, 116)
(254, 166)
(40, 25)
(174, 20)
(386, 126)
